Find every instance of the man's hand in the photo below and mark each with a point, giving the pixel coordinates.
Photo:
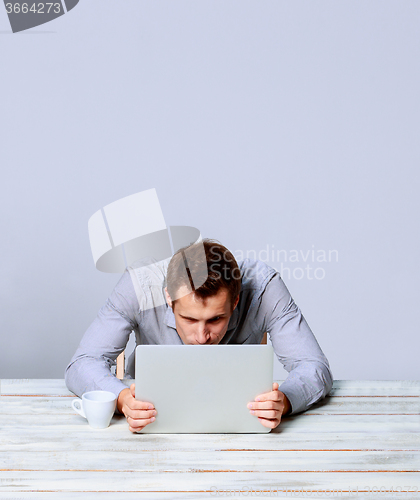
(270, 406)
(137, 413)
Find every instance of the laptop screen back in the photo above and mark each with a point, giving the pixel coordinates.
(203, 388)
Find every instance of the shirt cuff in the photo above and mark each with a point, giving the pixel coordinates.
(295, 395)
(111, 384)
(305, 390)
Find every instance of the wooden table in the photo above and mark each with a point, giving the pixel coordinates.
(362, 441)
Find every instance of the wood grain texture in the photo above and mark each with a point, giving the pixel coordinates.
(57, 387)
(202, 481)
(216, 460)
(398, 405)
(365, 434)
(214, 493)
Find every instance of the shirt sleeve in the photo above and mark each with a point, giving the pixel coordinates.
(90, 367)
(310, 378)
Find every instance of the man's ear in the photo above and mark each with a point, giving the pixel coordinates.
(168, 298)
(236, 302)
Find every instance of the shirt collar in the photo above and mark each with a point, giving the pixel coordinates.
(170, 317)
(233, 321)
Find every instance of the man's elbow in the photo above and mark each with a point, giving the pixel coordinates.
(325, 377)
(329, 380)
(68, 377)
(71, 376)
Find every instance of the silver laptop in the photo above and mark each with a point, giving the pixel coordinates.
(203, 388)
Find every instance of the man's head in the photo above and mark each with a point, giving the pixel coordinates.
(202, 314)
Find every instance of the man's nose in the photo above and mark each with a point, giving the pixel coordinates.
(202, 335)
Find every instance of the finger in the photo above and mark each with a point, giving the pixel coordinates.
(275, 386)
(269, 414)
(139, 424)
(136, 429)
(269, 396)
(265, 405)
(272, 424)
(141, 414)
(134, 404)
(133, 390)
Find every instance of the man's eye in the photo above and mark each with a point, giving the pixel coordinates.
(215, 319)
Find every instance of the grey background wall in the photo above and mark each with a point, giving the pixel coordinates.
(272, 125)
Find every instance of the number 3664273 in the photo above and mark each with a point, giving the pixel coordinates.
(35, 8)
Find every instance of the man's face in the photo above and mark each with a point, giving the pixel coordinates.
(202, 322)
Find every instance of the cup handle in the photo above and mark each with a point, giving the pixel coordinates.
(77, 405)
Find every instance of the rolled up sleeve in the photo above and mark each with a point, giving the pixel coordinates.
(310, 378)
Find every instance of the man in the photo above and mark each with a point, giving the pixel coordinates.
(208, 299)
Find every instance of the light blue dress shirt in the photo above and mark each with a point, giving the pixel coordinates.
(138, 304)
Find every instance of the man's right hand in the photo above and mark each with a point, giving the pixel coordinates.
(137, 413)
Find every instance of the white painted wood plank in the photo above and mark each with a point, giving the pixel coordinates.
(375, 388)
(349, 442)
(228, 461)
(37, 405)
(149, 495)
(315, 432)
(304, 423)
(81, 442)
(57, 387)
(204, 481)
(45, 387)
(369, 405)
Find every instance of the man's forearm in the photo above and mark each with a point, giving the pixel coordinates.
(89, 374)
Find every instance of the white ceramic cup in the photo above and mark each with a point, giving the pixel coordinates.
(97, 407)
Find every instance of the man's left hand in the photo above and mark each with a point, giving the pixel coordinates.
(270, 406)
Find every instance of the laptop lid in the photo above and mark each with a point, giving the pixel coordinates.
(203, 388)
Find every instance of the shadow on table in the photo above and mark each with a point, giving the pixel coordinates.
(317, 406)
